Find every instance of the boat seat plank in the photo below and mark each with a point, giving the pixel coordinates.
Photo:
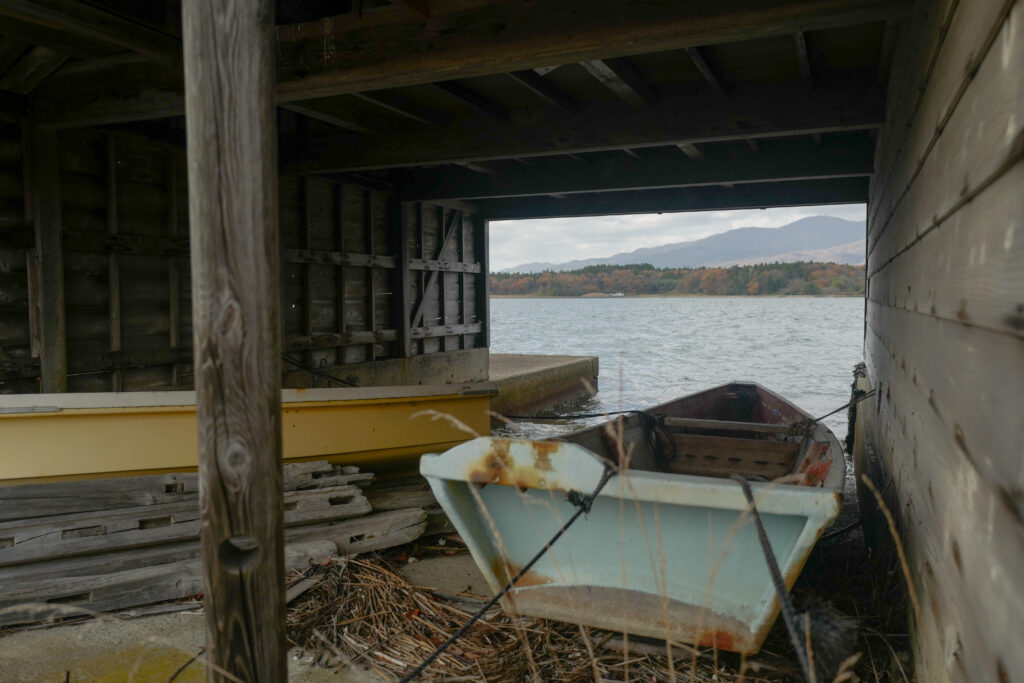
(719, 456)
(697, 423)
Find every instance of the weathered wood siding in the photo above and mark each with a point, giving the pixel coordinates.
(127, 292)
(447, 252)
(944, 329)
(16, 348)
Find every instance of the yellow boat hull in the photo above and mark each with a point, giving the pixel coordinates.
(55, 437)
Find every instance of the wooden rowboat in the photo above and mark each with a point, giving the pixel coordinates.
(668, 549)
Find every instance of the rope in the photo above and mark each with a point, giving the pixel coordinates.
(583, 504)
(785, 603)
(319, 373)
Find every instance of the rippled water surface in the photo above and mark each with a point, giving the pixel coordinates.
(653, 350)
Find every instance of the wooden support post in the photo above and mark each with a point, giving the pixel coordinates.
(483, 286)
(114, 261)
(463, 317)
(42, 206)
(173, 273)
(442, 303)
(420, 208)
(229, 94)
(339, 273)
(371, 312)
(307, 275)
(403, 302)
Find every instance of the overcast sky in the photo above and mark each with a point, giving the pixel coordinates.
(555, 240)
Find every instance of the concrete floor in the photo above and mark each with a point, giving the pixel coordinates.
(152, 648)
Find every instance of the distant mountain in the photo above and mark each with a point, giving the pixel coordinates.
(851, 253)
(834, 238)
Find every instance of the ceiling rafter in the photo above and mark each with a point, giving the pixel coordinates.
(691, 150)
(752, 111)
(336, 115)
(403, 106)
(848, 155)
(545, 89)
(459, 40)
(702, 60)
(803, 58)
(67, 19)
(710, 198)
(482, 104)
(622, 78)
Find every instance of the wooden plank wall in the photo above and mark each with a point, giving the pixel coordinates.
(944, 329)
(16, 241)
(125, 218)
(124, 210)
(447, 254)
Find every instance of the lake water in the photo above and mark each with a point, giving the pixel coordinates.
(656, 349)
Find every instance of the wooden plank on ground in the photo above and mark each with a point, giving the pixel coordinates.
(74, 596)
(102, 532)
(26, 501)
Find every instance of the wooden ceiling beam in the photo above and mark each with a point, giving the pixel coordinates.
(711, 198)
(420, 7)
(386, 48)
(70, 22)
(545, 89)
(622, 78)
(476, 168)
(691, 151)
(338, 114)
(761, 111)
(403, 106)
(467, 95)
(702, 60)
(780, 160)
(353, 53)
(32, 69)
(803, 58)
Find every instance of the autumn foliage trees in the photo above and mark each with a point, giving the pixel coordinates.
(762, 279)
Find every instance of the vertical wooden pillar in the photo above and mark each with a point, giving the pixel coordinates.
(113, 261)
(229, 105)
(339, 272)
(439, 277)
(173, 272)
(371, 295)
(46, 293)
(403, 302)
(307, 275)
(483, 288)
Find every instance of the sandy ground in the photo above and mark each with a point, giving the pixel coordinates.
(152, 648)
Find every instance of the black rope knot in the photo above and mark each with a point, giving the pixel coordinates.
(581, 500)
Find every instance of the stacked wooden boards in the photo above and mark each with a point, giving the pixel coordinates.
(109, 544)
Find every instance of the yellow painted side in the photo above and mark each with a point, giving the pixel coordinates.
(97, 442)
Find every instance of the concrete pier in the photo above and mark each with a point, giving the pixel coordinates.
(530, 383)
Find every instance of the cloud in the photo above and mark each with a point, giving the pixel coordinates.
(563, 239)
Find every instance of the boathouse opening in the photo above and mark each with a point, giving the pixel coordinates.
(252, 198)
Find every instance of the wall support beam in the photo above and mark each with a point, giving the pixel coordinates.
(710, 198)
(468, 39)
(46, 293)
(750, 111)
(850, 155)
(328, 57)
(229, 81)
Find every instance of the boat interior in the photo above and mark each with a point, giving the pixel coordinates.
(736, 428)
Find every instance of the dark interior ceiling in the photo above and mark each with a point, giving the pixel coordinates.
(528, 109)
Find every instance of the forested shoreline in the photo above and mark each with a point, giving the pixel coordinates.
(777, 279)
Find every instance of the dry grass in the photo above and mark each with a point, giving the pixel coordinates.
(364, 614)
